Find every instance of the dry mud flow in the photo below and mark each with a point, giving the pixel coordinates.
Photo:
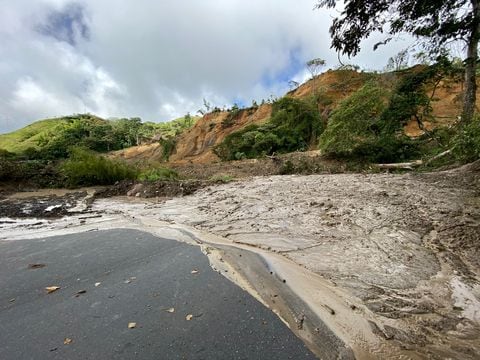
(390, 263)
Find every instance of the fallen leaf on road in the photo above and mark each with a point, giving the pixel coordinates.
(171, 310)
(132, 325)
(51, 289)
(67, 341)
(36, 266)
(12, 300)
(80, 293)
(194, 271)
(97, 284)
(189, 317)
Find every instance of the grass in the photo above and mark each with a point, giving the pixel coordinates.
(157, 174)
(27, 137)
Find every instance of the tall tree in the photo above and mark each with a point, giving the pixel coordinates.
(440, 22)
(314, 67)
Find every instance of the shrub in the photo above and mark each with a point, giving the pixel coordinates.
(8, 169)
(168, 145)
(466, 144)
(355, 122)
(85, 167)
(357, 130)
(5, 154)
(37, 173)
(294, 125)
(158, 174)
(231, 116)
(387, 149)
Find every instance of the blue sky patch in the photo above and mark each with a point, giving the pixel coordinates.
(295, 65)
(68, 24)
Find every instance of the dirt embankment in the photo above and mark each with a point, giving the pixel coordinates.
(197, 143)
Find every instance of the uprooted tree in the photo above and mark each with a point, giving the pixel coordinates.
(440, 22)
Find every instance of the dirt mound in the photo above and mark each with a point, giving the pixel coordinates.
(161, 189)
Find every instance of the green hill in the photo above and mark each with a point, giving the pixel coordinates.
(32, 136)
(50, 138)
(19, 140)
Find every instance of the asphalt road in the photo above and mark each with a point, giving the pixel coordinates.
(142, 277)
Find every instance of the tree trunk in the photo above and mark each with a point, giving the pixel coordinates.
(470, 95)
(406, 165)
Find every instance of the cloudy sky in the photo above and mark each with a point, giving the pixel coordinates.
(157, 59)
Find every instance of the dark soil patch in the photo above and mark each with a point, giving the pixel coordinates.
(52, 206)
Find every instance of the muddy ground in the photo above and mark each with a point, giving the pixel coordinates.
(390, 262)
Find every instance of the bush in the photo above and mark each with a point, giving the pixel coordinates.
(8, 169)
(294, 125)
(37, 173)
(387, 149)
(357, 130)
(466, 144)
(168, 146)
(5, 154)
(85, 168)
(158, 174)
(355, 122)
(234, 112)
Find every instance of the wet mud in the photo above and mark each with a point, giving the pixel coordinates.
(388, 263)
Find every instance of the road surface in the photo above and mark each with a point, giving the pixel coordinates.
(176, 305)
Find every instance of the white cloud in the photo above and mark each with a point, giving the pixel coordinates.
(155, 59)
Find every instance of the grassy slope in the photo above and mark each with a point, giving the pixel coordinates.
(24, 138)
(20, 140)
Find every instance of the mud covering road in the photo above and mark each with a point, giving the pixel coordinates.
(388, 262)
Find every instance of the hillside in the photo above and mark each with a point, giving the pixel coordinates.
(193, 139)
(46, 136)
(196, 144)
(33, 135)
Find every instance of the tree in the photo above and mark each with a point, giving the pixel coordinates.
(399, 61)
(188, 120)
(440, 22)
(314, 67)
(292, 84)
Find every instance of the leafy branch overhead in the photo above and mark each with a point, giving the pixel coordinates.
(439, 23)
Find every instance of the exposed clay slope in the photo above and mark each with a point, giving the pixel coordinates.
(139, 153)
(197, 143)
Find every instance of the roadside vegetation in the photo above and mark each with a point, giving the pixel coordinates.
(69, 151)
(294, 125)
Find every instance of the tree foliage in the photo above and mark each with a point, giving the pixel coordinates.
(294, 125)
(355, 121)
(359, 129)
(438, 22)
